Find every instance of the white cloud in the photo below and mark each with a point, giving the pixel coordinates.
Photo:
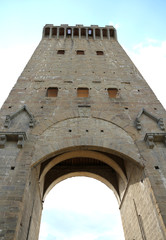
(116, 25)
(150, 58)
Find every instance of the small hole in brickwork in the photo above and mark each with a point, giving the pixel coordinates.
(138, 90)
(126, 108)
(99, 52)
(80, 52)
(87, 130)
(101, 130)
(156, 167)
(61, 52)
(12, 168)
(70, 130)
(103, 72)
(41, 107)
(10, 106)
(155, 108)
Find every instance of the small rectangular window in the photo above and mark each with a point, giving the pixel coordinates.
(54, 31)
(82, 92)
(61, 31)
(47, 32)
(90, 32)
(61, 52)
(68, 31)
(83, 32)
(104, 32)
(52, 92)
(112, 92)
(76, 32)
(80, 52)
(111, 32)
(99, 52)
(97, 32)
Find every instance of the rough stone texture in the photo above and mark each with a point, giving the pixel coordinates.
(95, 136)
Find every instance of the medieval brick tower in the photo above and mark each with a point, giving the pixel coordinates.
(81, 108)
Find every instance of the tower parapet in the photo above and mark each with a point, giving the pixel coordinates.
(79, 31)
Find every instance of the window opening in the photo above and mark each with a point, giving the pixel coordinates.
(61, 32)
(111, 33)
(83, 32)
(52, 92)
(61, 52)
(112, 92)
(80, 52)
(104, 32)
(47, 32)
(97, 32)
(68, 31)
(54, 31)
(90, 32)
(99, 52)
(76, 32)
(82, 92)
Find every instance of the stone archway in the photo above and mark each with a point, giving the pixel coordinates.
(109, 168)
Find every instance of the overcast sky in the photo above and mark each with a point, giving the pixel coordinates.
(141, 31)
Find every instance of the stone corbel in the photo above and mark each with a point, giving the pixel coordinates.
(161, 124)
(150, 141)
(2, 141)
(151, 138)
(138, 124)
(21, 140)
(18, 137)
(7, 121)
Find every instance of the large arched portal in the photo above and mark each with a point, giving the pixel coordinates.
(107, 168)
(119, 173)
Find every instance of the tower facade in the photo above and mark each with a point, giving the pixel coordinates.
(81, 108)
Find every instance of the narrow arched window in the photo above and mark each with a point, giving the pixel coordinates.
(52, 92)
(82, 92)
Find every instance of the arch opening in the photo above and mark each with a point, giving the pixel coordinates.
(84, 208)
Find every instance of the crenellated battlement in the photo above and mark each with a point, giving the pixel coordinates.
(79, 31)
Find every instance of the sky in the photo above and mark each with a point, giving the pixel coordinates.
(141, 31)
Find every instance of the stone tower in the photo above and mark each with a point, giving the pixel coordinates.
(81, 108)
